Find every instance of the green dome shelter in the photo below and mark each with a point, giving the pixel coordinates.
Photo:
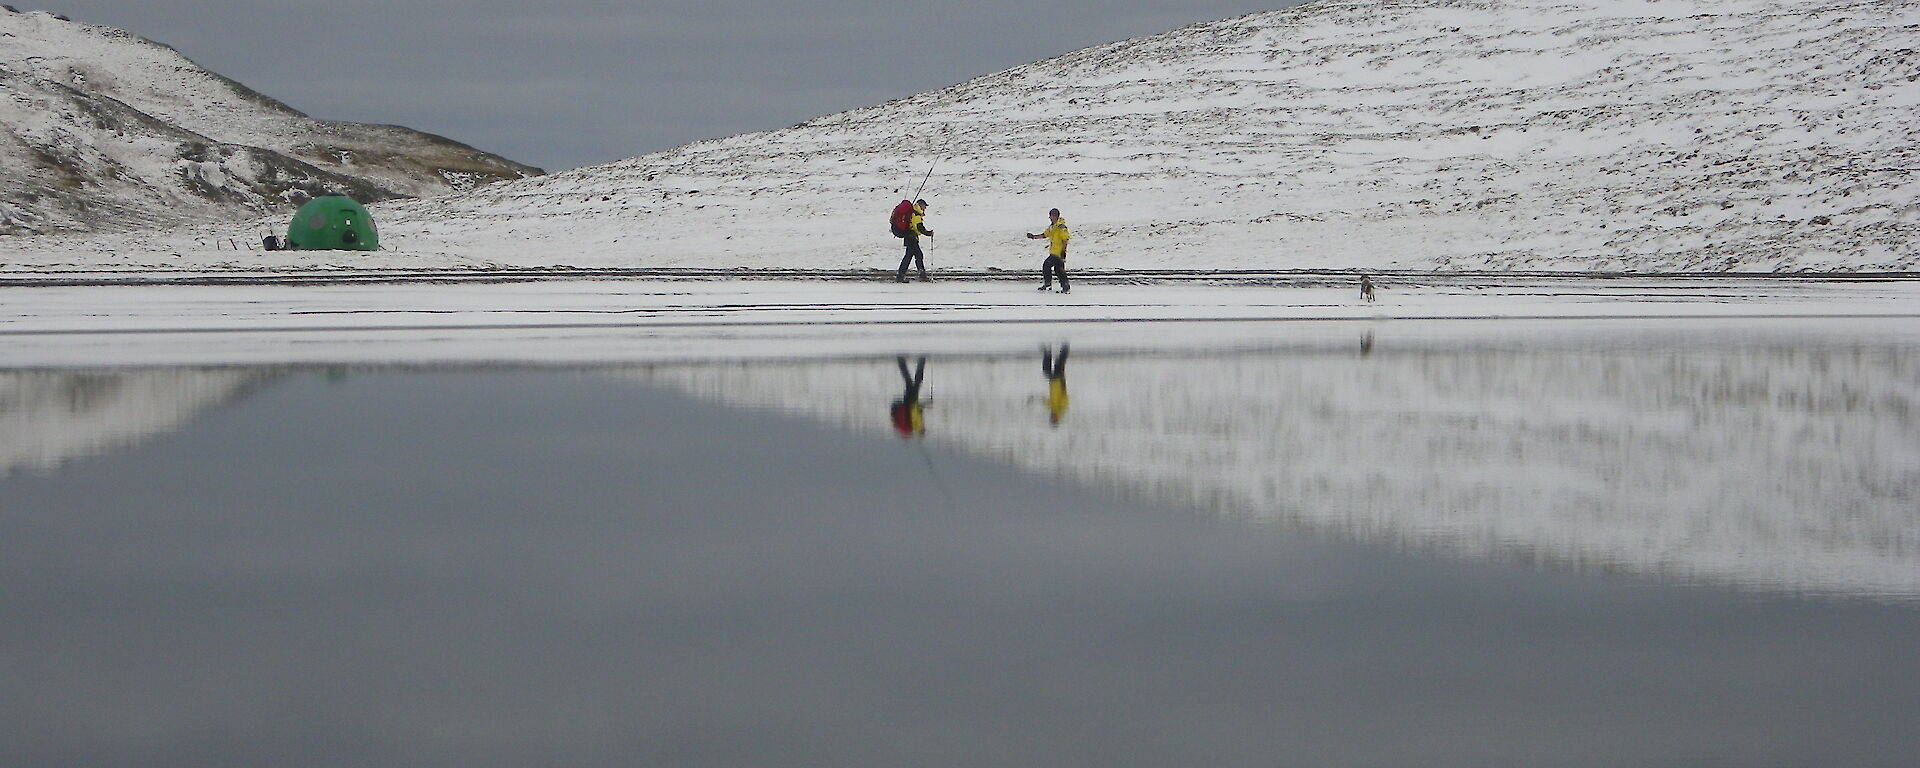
(332, 223)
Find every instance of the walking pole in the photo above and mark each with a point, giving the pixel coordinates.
(916, 199)
(939, 483)
(923, 180)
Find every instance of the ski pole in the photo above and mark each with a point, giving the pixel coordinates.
(923, 180)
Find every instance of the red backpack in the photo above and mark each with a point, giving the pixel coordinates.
(902, 416)
(902, 218)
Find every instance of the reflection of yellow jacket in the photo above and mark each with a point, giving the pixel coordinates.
(1057, 398)
(1056, 234)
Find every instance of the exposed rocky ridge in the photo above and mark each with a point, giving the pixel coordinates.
(102, 131)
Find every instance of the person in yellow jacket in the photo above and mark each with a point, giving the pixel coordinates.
(1056, 370)
(1056, 264)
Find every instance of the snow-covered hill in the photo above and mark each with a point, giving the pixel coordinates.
(1692, 135)
(1563, 134)
(103, 131)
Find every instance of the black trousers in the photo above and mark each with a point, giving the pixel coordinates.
(1054, 367)
(913, 257)
(911, 381)
(1054, 265)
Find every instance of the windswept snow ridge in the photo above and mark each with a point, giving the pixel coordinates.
(102, 131)
(1669, 135)
(1581, 135)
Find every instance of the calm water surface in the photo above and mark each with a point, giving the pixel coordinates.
(611, 567)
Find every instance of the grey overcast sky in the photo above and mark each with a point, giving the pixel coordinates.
(565, 83)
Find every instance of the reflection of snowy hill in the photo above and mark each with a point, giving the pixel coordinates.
(50, 418)
(1771, 465)
(1694, 135)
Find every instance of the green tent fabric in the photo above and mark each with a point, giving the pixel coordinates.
(332, 223)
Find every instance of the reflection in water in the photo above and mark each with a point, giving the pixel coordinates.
(1750, 459)
(486, 568)
(909, 416)
(1055, 369)
(50, 417)
(1765, 463)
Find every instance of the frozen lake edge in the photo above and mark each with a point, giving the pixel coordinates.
(346, 320)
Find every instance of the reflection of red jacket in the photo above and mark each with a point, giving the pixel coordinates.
(906, 418)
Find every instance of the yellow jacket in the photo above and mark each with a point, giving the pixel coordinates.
(916, 226)
(1056, 234)
(1056, 399)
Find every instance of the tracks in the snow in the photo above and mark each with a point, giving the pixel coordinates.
(1225, 277)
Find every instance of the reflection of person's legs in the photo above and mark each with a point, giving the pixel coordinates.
(911, 380)
(1054, 367)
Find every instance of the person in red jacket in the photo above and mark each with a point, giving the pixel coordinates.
(916, 226)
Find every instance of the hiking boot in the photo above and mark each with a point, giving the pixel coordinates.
(1047, 287)
(925, 279)
(1064, 289)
